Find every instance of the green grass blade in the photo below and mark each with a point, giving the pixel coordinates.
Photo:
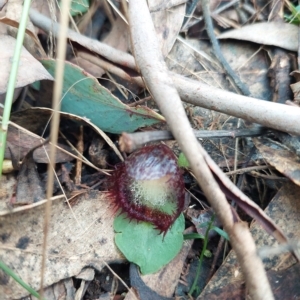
(221, 232)
(12, 80)
(191, 236)
(13, 275)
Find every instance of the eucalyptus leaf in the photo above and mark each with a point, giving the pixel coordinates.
(78, 7)
(83, 96)
(145, 246)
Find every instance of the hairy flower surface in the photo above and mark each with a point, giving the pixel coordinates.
(149, 187)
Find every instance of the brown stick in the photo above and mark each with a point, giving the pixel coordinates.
(104, 50)
(106, 65)
(273, 115)
(254, 274)
(132, 141)
(217, 50)
(146, 50)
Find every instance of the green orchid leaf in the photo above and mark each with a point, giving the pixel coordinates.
(142, 244)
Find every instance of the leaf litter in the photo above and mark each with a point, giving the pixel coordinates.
(81, 232)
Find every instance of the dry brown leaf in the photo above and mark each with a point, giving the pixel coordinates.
(77, 238)
(284, 284)
(285, 209)
(30, 188)
(167, 24)
(193, 57)
(42, 6)
(62, 290)
(7, 187)
(163, 4)
(15, 24)
(165, 281)
(30, 70)
(118, 36)
(282, 35)
(39, 118)
(284, 160)
(20, 141)
(88, 66)
(13, 16)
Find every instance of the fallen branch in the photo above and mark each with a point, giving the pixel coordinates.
(132, 141)
(102, 49)
(154, 70)
(273, 115)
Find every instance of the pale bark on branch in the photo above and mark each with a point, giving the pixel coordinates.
(277, 116)
(156, 75)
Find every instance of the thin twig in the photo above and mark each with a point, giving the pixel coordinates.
(132, 141)
(217, 50)
(80, 148)
(58, 84)
(189, 13)
(268, 251)
(248, 169)
(146, 50)
(106, 65)
(270, 177)
(106, 51)
(141, 101)
(215, 259)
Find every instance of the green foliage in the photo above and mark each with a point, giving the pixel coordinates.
(191, 236)
(142, 244)
(78, 7)
(85, 97)
(182, 161)
(4, 120)
(221, 232)
(218, 230)
(294, 17)
(205, 252)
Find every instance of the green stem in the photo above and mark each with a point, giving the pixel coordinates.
(13, 275)
(201, 257)
(12, 81)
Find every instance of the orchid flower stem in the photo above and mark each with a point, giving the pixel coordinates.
(205, 242)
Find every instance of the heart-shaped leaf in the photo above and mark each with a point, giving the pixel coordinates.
(142, 244)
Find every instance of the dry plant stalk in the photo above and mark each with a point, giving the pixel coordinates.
(154, 70)
(58, 84)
